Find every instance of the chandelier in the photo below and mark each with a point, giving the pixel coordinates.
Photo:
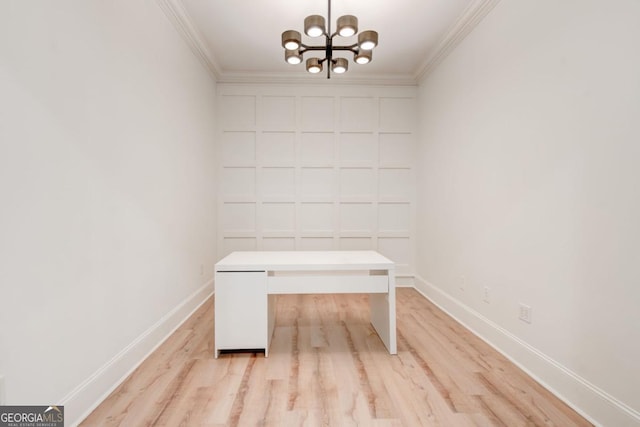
(314, 26)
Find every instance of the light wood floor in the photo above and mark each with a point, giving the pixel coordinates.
(328, 367)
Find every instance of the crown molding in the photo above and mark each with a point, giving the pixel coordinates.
(466, 22)
(178, 16)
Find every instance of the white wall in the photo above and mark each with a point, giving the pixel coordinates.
(317, 167)
(107, 193)
(528, 184)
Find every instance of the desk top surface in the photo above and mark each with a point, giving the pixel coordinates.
(304, 261)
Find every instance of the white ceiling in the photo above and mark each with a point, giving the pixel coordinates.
(242, 37)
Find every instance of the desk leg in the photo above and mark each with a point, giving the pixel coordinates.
(271, 321)
(383, 314)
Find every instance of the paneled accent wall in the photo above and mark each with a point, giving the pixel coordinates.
(317, 168)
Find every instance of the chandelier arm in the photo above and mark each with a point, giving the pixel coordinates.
(311, 48)
(351, 48)
(317, 48)
(307, 48)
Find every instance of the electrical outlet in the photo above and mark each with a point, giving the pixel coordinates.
(525, 313)
(3, 396)
(486, 294)
(463, 283)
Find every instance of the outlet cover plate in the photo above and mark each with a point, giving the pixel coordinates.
(525, 313)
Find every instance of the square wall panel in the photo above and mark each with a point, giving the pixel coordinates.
(316, 217)
(277, 147)
(238, 148)
(317, 182)
(316, 244)
(394, 217)
(395, 184)
(278, 182)
(233, 244)
(278, 113)
(357, 217)
(357, 183)
(356, 243)
(396, 249)
(238, 112)
(396, 149)
(238, 217)
(397, 114)
(238, 182)
(316, 147)
(358, 114)
(317, 113)
(278, 244)
(357, 148)
(278, 217)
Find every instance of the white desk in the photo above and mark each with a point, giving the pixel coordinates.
(247, 282)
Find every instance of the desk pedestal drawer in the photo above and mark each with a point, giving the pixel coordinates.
(240, 310)
(327, 284)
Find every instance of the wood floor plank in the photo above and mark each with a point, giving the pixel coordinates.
(328, 367)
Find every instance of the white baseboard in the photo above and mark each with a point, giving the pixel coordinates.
(405, 282)
(81, 401)
(591, 402)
